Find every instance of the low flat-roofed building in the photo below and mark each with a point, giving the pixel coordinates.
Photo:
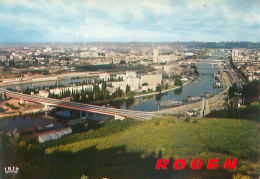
(44, 138)
(59, 133)
(53, 134)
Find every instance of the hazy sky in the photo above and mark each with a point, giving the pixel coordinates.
(129, 20)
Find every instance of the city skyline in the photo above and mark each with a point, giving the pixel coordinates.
(127, 21)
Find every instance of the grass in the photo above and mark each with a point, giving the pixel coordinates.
(208, 138)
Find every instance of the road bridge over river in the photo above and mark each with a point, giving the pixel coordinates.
(118, 113)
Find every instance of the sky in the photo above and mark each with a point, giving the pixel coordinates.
(129, 20)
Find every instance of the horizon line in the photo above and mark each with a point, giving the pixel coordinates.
(193, 41)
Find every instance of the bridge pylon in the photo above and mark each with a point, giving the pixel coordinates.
(117, 117)
(204, 108)
(206, 111)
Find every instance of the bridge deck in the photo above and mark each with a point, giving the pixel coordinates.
(81, 106)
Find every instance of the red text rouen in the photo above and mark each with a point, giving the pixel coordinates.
(212, 163)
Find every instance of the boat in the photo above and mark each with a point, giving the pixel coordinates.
(193, 99)
(169, 103)
(49, 126)
(217, 85)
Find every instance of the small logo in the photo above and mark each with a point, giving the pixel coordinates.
(11, 170)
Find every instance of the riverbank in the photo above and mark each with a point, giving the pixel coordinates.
(164, 91)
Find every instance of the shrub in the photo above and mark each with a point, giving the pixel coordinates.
(11, 106)
(195, 121)
(187, 119)
(2, 109)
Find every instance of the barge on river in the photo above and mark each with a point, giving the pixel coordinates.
(169, 103)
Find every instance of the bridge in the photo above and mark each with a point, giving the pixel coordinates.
(118, 113)
(208, 61)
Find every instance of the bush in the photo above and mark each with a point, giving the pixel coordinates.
(195, 121)
(187, 119)
(2, 109)
(178, 82)
(77, 128)
(11, 106)
(249, 112)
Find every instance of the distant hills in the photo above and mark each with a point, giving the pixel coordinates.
(135, 44)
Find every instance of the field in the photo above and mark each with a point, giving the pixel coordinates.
(130, 149)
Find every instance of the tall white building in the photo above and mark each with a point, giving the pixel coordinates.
(156, 53)
(234, 53)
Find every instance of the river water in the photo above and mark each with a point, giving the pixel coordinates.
(27, 122)
(147, 103)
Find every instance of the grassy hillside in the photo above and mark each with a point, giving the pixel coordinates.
(174, 138)
(130, 149)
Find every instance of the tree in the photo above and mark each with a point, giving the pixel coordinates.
(76, 97)
(11, 63)
(118, 93)
(122, 62)
(104, 85)
(158, 88)
(251, 92)
(83, 98)
(166, 86)
(178, 82)
(5, 96)
(150, 90)
(127, 89)
(162, 86)
(193, 66)
(183, 66)
(196, 72)
(232, 90)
